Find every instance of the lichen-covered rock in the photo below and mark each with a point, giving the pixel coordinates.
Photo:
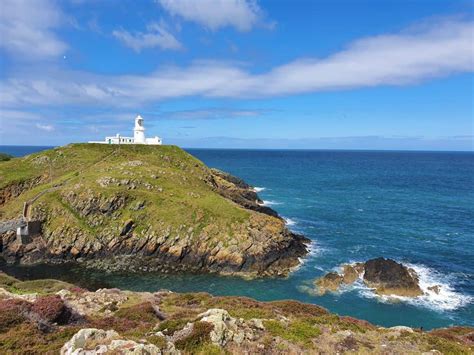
(228, 329)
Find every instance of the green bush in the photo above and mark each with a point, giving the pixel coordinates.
(198, 336)
(299, 331)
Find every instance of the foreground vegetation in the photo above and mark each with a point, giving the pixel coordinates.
(41, 316)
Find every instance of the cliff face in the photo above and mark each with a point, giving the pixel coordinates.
(49, 316)
(142, 208)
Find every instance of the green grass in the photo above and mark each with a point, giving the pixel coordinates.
(180, 176)
(299, 331)
(41, 287)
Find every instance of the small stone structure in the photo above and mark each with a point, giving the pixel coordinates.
(25, 232)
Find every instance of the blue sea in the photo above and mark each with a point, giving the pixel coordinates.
(414, 207)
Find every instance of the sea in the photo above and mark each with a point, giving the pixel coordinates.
(414, 207)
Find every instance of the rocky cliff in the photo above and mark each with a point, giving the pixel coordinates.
(49, 316)
(142, 208)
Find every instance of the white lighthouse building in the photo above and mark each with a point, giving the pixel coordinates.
(138, 136)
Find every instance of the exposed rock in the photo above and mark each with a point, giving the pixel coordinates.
(386, 276)
(400, 329)
(391, 278)
(329, 282)
(228, 329)
(239, 191)
(350, 274)
(436, 289)
(103, 301)
(127, 227)
(98, 341)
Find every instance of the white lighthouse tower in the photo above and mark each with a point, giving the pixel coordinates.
(139, 131)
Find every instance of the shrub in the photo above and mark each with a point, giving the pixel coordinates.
(157, 340)
(43, 287)
(299, 331)
(121, 325)
(169, 326)
(7, 280)
(295, 308)
(12, 312)
(198, 336)
(354, 324)
(446, 346)
(143, 312)
(51, 309)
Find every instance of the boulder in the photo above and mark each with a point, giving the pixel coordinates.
(350, 274)
(329, 282)
(228, 329)
(105, 342)
(83, 337)
(391, 278)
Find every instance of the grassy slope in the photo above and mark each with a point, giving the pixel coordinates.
(186, 200)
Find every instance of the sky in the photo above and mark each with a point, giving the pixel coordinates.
(312, 74)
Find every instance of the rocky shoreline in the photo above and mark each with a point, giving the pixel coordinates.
(50, 316)
(160, 210)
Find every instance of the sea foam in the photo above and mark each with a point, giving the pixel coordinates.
(271, 203)
(258, 189)
(289, 221)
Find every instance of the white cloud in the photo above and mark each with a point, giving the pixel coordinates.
(45, 127)
(210, 114)
(26, 28)
(215, 14)
(442, 49)
(157, 36)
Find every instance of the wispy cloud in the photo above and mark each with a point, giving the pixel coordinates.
(27, 29)
(211, 113)
(45, 127)
(215, 14)
(441, 49)
(157, 35)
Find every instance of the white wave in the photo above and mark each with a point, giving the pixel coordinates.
(258, 189)
(271, 203)
(447, 299)
(289, 221)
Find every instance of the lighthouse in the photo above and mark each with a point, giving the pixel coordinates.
(138, 136)
(139, 131)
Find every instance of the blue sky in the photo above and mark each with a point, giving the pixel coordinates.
(332, 74)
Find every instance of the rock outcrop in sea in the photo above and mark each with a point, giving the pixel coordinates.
(49, 316)
(141, 208)
(385, 276)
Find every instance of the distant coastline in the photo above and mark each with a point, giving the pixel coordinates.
(22, 150)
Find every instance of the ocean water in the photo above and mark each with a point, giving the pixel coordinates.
(414, 207)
